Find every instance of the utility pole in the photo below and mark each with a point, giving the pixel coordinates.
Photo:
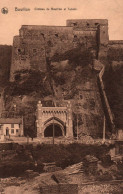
(22, 128)
(77, 119)
(77, 127)
(104, 129)
(53, 130)
(15, 110)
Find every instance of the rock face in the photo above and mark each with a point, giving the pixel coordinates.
(64, 54)
(55, 64)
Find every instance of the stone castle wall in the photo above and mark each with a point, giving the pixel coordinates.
(115, 50)
(35, 43)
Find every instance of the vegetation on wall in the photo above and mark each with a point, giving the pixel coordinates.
(113, 79)
(28, 81)
(62, 74)
(33, 83)
(75, 56)
(5, 62)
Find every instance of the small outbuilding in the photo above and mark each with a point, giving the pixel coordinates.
(11, 126)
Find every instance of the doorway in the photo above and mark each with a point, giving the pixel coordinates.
(7, 131)
(49, 131)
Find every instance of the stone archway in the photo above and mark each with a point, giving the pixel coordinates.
(59, 127)
(60, 116)
(48, 132)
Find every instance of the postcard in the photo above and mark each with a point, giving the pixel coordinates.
(61, 96)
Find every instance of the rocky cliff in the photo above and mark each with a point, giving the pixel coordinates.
(68, 76)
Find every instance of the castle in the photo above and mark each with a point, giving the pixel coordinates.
(35, 44)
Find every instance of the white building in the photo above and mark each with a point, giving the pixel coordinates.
(11, 126)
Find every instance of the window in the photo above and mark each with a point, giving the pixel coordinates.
(75, 24)
(50, 43)
(96, 24)
(42, 34)
(92, 104)
(12, 130)
(12, 125)
(56, 35)
(34, 50)
(81, 97)
(17, 130)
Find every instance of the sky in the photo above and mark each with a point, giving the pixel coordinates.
(84, 9)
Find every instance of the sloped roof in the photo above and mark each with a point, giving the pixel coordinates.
(10, 120)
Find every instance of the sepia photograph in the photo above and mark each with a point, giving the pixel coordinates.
(61, 97)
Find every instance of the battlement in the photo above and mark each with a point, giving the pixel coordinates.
(88, 23)
(39, 27)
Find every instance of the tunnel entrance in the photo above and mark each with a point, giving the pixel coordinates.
(49, 131)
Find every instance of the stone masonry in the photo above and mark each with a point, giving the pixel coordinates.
(61, 116)
(35, 43)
